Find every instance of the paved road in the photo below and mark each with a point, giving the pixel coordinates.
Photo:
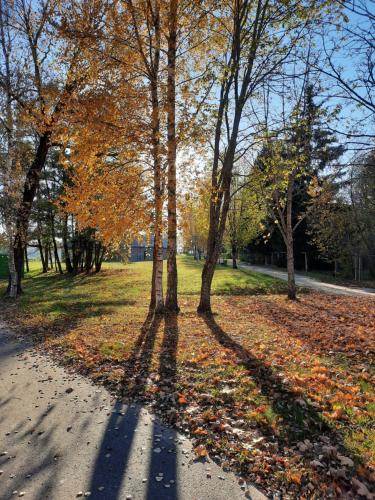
(62, 437)
(307, 282)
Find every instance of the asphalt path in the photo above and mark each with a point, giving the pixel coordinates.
(306, 282)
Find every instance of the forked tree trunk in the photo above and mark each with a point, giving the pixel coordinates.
(23, 214)
(214, 244)
(237, 87)
(219, 207)
(171, 301)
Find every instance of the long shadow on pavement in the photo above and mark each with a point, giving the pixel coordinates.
(110, 471)
(166, 439)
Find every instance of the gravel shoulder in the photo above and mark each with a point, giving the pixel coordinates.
(62, 437)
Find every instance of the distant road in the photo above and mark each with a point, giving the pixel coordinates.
(307, 282)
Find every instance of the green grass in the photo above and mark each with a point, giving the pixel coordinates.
(226, 280)
(119, 285)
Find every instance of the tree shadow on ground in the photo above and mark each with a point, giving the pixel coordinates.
(298, 419)
(167, 374)
(112, 475)
(323, 330)
(70, 315)
(138, 365)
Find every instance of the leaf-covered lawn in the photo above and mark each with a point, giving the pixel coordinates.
(282, 392)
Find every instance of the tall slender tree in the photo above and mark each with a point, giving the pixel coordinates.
(171, 298)
(260, 36)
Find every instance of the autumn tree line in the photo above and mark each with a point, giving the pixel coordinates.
(118, 117)
(324, 214)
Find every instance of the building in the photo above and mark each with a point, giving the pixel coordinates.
(142, 249)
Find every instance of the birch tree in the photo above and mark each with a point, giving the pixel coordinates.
(171, 298)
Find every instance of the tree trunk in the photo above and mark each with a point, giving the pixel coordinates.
(89, 256)
(157, 300)
(98, 256)
(68, 262)
(19, 263)
(51, 256)
(158, 287)
(40, 247)
(55, 250)
(220, 199)
(171, 301)
(234, 256)
(9, 178)
(56, 254)
(13, 278)
(214, 245)
(23, 214)
(219, 207)
(27, 261)
(292, 293)
(207, 276)
(46, 256)
(153, 279)
(83, 243)
(74, 253)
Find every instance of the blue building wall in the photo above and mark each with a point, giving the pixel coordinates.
(142, 250)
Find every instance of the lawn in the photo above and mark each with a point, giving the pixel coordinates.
(282, 392)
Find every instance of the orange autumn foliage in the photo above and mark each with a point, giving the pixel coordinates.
(103, 161)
